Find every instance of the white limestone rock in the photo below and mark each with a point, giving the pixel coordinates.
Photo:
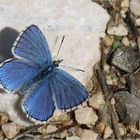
(107, 132)
(76, 20)
(89, 135)
(119, 30)
(125, 41)
(135, 7)
(73, 138)
(59, 116)
(97, 101)
(9, 104)
(82, 22)
(86, 116)
(125, 3)
(49, 129)
(137, 22)
(10, 129)
(122, 129)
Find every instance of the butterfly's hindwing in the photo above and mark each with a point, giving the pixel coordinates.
(38, 104)
(67, 90)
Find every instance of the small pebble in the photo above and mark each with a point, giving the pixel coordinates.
(127, 106)
(108, 40)
(126, 58)
(63, 134)
(122, 132)
(73, 138)
(122, 129)
(3, 118)
(100, 127)
(123, 12)
(125, 41)
(125, 3)
(10, 129)
(78, 131)
(88, 135)
(119, 30)
(112, 101)
(47, 129)
(109, 80)
(51, 128)
(114, 81)
(60, 116)
(107, 132)
(72, 130)
(133, 129)
(97, 101)
(106, 68)
(138, 21)
(134, 83)
(135, 7)
(138, 41)
(86, 115)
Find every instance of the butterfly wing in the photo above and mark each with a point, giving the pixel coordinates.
(68, 91)
(32, 45)
(39, 104)
(14, 73)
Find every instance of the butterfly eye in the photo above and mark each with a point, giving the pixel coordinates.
(56, 63)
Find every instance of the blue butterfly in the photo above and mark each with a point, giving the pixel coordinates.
(37, 76)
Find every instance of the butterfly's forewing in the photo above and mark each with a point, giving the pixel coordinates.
(39, 104)
(68, 92)
(15, 73)
(32, 45)
(31, 51)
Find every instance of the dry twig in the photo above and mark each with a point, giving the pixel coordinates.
(107, 94)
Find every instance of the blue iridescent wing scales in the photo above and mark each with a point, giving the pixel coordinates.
(15, 73)
(39, 104)
(67, 90)
(32, 46)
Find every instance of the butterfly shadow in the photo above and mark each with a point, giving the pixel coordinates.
(19, 111)
(8, 36)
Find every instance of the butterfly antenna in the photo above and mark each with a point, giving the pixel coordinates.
(60, 45)
(72, 68)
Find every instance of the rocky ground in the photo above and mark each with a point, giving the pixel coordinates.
(112, 111)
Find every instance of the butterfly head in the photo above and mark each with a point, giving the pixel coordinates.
(56, 62)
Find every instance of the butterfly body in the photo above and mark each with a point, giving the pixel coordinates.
(46, 69)
(34, 73)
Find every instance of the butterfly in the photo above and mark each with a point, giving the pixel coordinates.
(44, 85)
